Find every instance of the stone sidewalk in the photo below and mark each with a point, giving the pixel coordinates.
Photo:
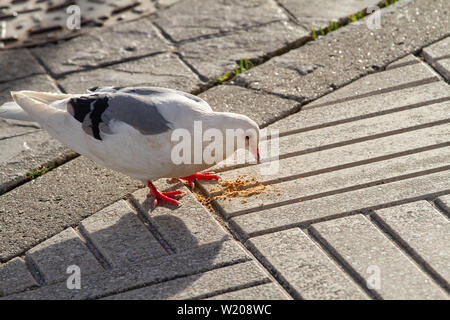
(359, 208)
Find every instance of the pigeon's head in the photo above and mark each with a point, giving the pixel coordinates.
(246, 132)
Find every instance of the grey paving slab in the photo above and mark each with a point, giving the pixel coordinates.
(260, 106)
(338, 181)
(200, 285)
(331, 62)
(383, 267)
(162, 70)
(304, 267)
(60, 198)
(197, 261)
(53, 257)
(104, 46)
(407, 60)
(374, 84)
(15, 277)
(18, 64)
(268, 291)
(359, 130)
(212, 57)
(423, 229)
(120, 236)
(212, 17)
(312, 164)
(438, 55)
(318, 13)
(184, 227)
(444, 202)
(376, 197)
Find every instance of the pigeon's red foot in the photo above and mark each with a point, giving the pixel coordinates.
(200, 176)
(164, 196)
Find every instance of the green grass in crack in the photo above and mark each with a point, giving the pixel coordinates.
(34, 173)
(244, 65)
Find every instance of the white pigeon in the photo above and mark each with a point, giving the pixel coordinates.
(130, 130)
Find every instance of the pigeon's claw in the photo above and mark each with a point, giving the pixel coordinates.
(200, 176)
(164, 196)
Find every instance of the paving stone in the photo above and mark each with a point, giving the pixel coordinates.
(260, 106)
(104, 46)
(332, 206)
(212, 17)
(184, 227)
(17, 64)
(367, 251)
(162, 70)
(318, 13)
(199, 285)
(343, 180)
(268, 291)
(331, 62)
(119, 235)
(312, 164)
(405, 61)
(423, 229)
(60, 198)
(444, 202)
(438, 56)
(212, 57)
(15, 277)
(407, 76)
(304, 267)
(145, 273)
(53, 256)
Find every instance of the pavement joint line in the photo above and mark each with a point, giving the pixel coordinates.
(287, 12)
(34, 271)
(377, 92)
(344, 166)
(133, 204)
(91, 247)
(252, 284)
(198, 272)
(404, 64)
(19, 135)
(408, 251)
(272, 271)
(326, 246)
(423, 58)
(439, 207)
(344, 267)
(364, 116)
(200, 76)
(308, 223)
(340, 144)
(338, 191)
(23, 77)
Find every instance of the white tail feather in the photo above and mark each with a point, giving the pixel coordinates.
(11, 110)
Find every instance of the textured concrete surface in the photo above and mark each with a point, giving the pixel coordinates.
(119, 235)
(331, 62)
(18, 64)
(378, 146)
(61, 198)
(163, 70)
(438, 56)
(370, 254)
(101, 47)
(424, 230)
(15, 277)
(197, 261)
(304, 267)
(200, 286)
(53, 257)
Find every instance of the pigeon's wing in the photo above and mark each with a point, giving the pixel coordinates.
(98, 112)
(153, 91)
